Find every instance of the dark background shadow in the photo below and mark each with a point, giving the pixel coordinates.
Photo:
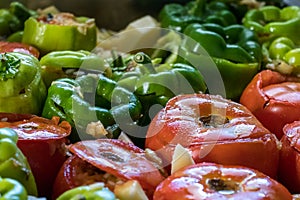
(110, 14)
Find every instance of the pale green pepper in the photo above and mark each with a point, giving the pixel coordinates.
(61, 31)
(283, 55)
(13, 163)
(95, 191)
(11, 189)
(66, 64)
(21, 85)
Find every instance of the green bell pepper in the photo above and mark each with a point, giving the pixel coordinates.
(78, 102)
(21, 85)
(234, 49)
(13, 164)
(270, 22)
(234, 43)
(12, 19)
(11, 189)
(66, 64)
(155, 84)
(61, 31)
(162, 82)
(88, 192)
(8, 23)
(178, 16)
(283, 56)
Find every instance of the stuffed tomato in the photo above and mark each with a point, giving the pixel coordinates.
(213, 129)
(110, 161)
(209, 181)
(289, 165)
(43, 142)
(274, 99)
(18, 47)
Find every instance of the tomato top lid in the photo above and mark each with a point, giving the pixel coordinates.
(18, 47)
(215, 181)
(292, 133)
(121, 159)
(286, 91)
(32, 127)
(211, 117)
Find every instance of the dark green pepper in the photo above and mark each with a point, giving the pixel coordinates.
(12, 19)
(178, 16)
(76, 101)
(271, 22)
(21, 85)
(13, 164)
(95, 191)
(234, 49)
(21, 12)
(234, 43)
(8, 23)
(61, 31)
(11, 189)
(66, 64)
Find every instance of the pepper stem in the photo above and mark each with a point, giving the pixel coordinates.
(142, 58)
(8, 66)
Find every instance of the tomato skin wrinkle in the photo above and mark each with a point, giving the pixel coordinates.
(274, 99)
(215, 181)
(122, 160)
(213, 129)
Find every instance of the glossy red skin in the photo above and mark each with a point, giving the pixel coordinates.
(289, 165)
(131, 164)
(43, 146)
(179, 122)
(65, 177)
(274, 99)
(18, 47)
(191, 183)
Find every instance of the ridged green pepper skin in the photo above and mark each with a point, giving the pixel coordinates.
(234, 49)
(95, 191)
(79, 34)
(154, 84)
(234, 43)
(13, 164)
(11, 189)
(158, 81)
(55, 64)
(271, 22)
(21, 85)
(177, 17)
(235, 76)
(75, 101)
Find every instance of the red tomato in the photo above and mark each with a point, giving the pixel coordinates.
(18, 47)
(289, 165)
(274, 99)
(42, 141)
(213, 129)
(94, 158)
(209, 181)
